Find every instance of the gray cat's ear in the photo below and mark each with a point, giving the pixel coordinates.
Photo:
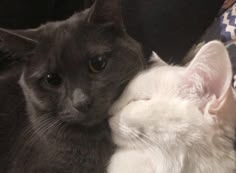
(14, 48)
(106, 11)
(16, 43)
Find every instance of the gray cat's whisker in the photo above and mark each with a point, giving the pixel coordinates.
(40, 126)
(28, 131)
(71, 72)
(31, 136)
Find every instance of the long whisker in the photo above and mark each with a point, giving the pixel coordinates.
(29, 131)
(60, 129)
(135, 134)
(42, 127)
(151, 143)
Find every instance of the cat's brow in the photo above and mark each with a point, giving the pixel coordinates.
(38, 73)
(95, 50)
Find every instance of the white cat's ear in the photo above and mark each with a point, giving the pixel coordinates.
(209, 75)
(156, 60)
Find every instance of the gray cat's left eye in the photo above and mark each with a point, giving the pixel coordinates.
(97, 64)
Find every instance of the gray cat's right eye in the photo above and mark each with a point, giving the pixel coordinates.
(53, 80)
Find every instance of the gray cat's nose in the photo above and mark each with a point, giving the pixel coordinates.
(80, 101)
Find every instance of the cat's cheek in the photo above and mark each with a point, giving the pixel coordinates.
(41, 98)
(135, 113)
(114, 124)
(119, 135)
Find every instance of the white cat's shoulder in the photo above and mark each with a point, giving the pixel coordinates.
(130, 161)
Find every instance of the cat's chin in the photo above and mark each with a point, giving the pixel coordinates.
(72, 118)
(80, 120)
(96, 130)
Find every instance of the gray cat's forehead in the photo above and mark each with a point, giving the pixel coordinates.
(82, 38)
(66, 45)
(72, 22)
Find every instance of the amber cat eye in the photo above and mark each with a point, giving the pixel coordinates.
(98, 64)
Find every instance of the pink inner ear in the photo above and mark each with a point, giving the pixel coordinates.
(209, 74)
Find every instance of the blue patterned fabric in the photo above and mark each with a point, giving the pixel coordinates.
(228, 25)
(224, 29)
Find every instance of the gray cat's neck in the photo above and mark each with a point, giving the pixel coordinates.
(69, 148)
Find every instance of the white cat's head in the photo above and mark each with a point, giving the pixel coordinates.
(201, 89)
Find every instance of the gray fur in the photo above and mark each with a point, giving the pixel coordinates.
(63, 130)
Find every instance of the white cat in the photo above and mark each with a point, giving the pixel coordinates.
(174, 119)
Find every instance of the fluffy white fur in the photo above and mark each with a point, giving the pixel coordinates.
(177, 119)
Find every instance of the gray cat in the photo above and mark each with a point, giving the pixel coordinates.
(70, 73)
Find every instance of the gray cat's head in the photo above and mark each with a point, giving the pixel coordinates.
(73, 70)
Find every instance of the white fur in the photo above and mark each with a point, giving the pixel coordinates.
(177, 119)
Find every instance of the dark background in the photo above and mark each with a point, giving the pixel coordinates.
(169, 27)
